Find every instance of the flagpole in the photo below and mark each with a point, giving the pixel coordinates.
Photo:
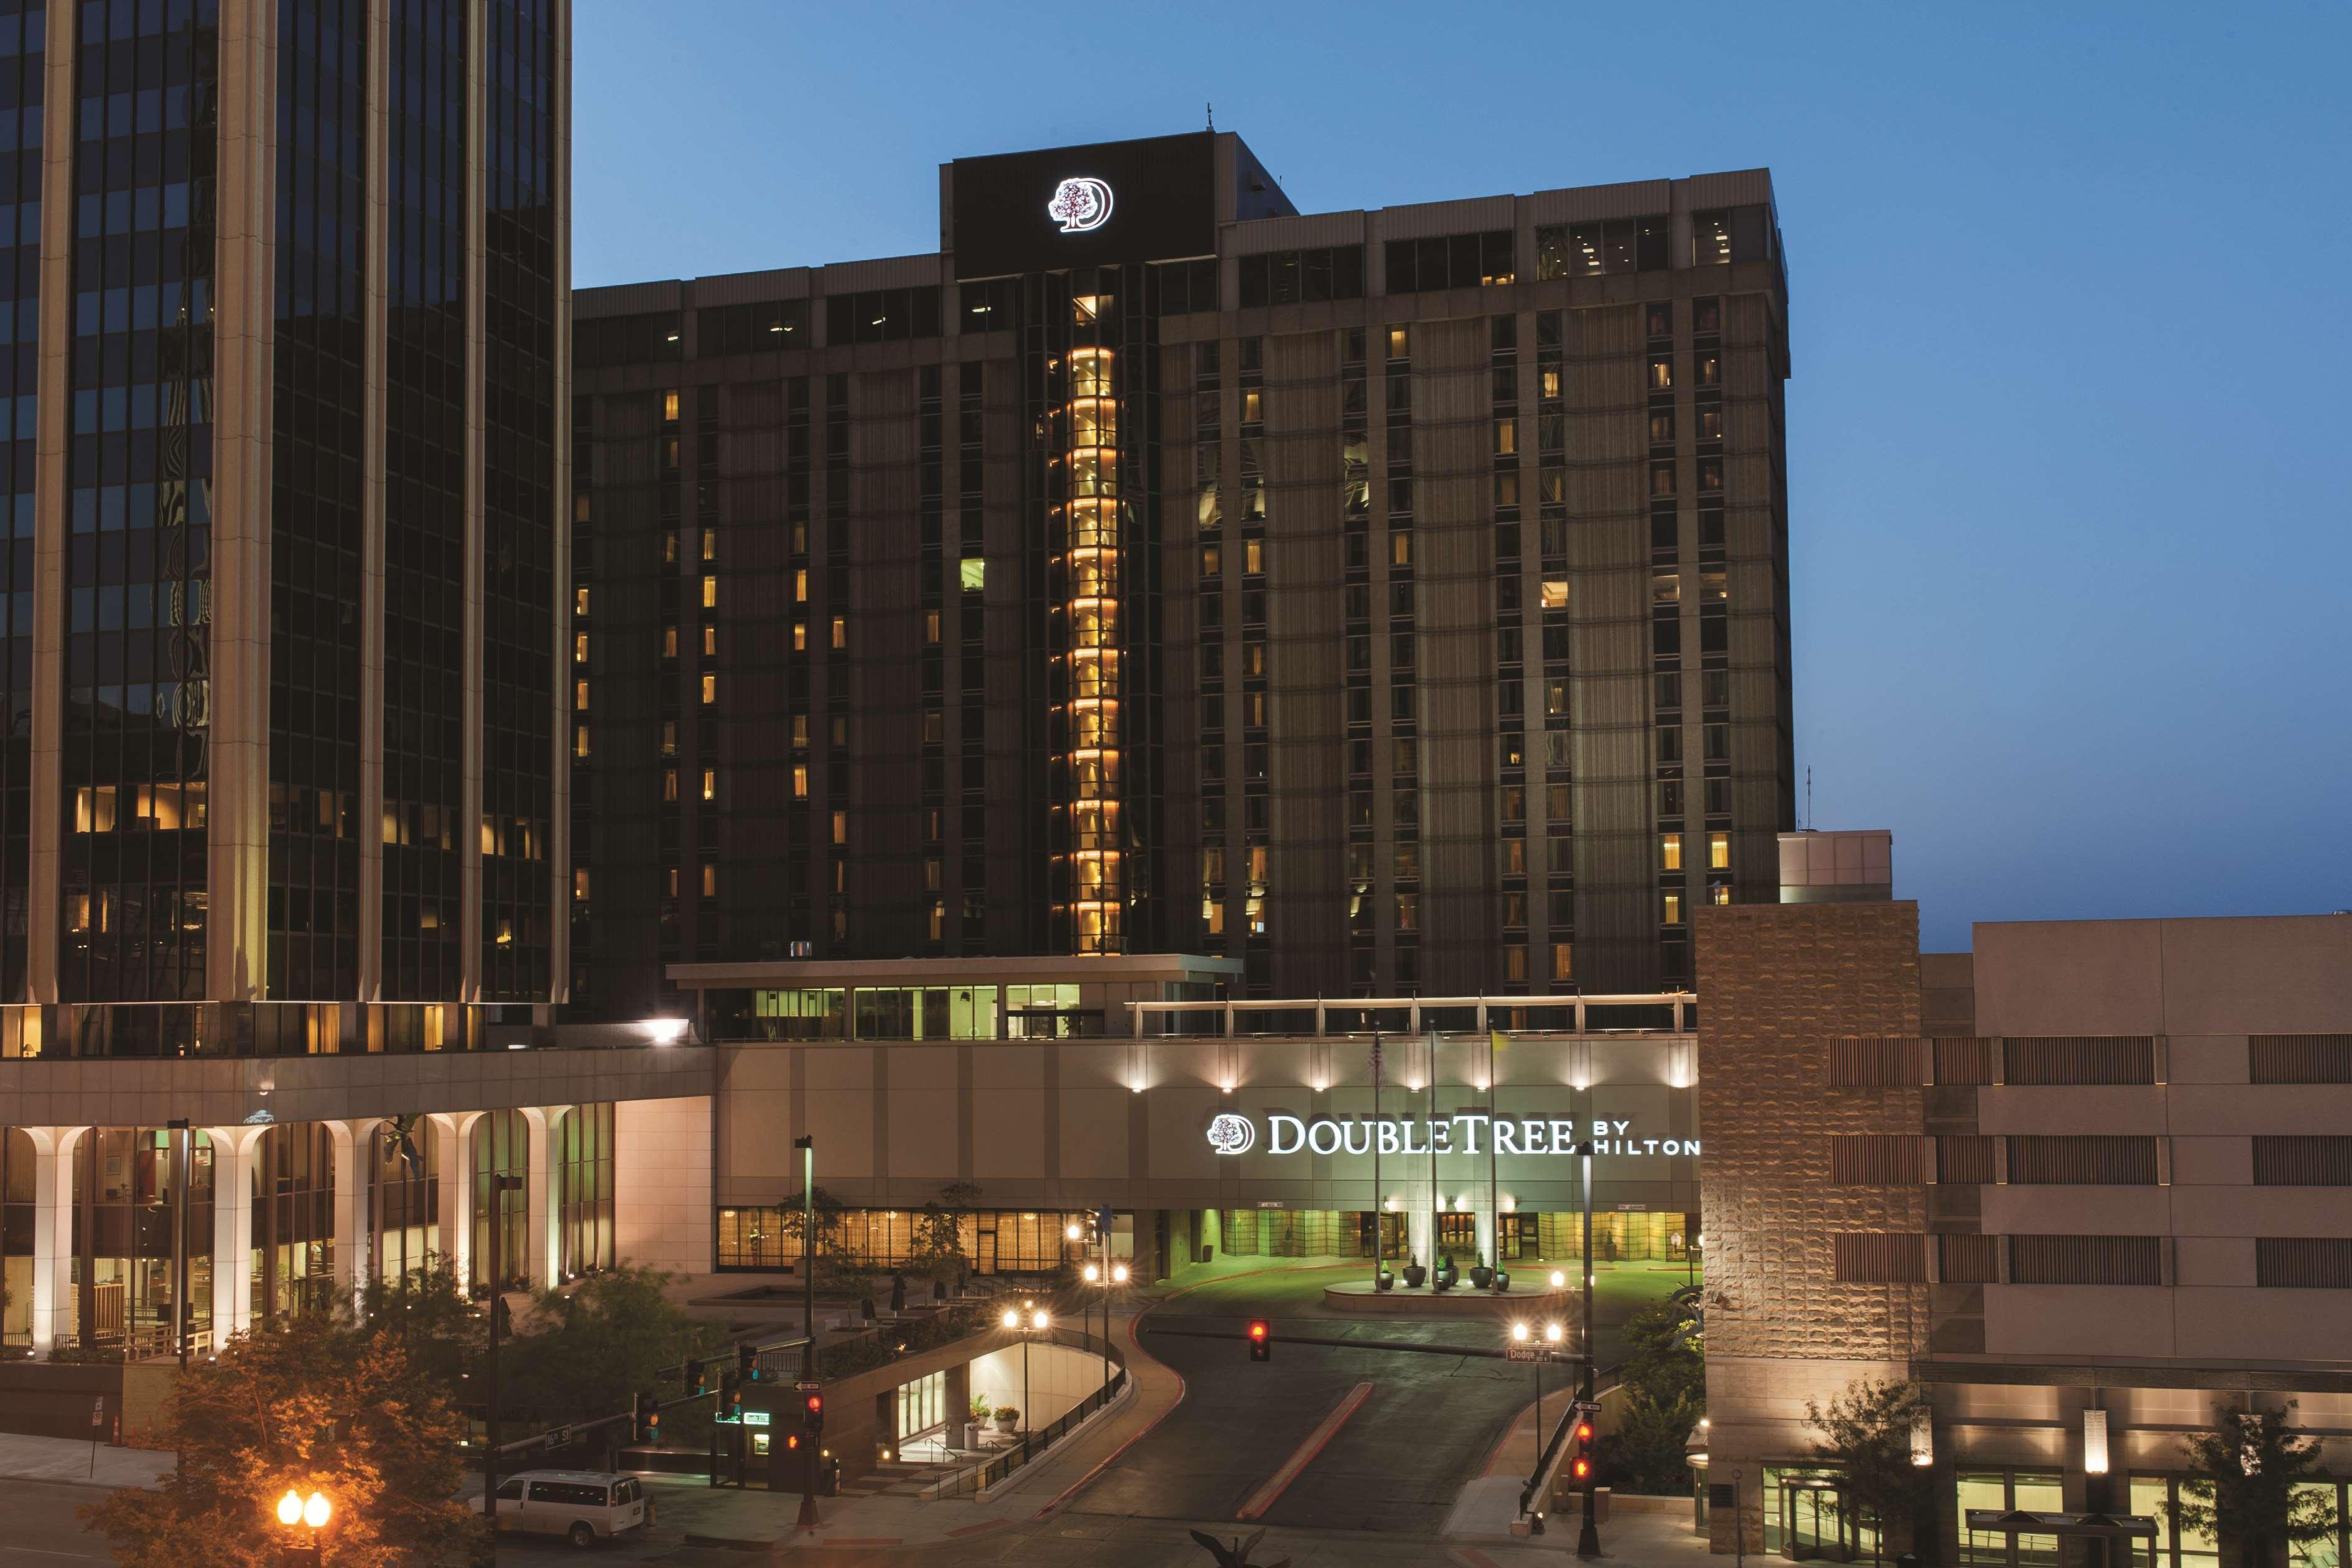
(1429, 1135)
(1494, 1176)
(1380, 1209)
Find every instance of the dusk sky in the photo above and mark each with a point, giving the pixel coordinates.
(2070, 518)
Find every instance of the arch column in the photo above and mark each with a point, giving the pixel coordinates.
(546, 1214)
(234, 1151)
(453, 1135)
(355, 1236)
(53, 1211)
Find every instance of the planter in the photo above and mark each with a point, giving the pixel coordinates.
(1005, 1422)
(1385, 1282)
(1502, 1280)
(1481, 1277)
(1414, 1274)
(1447, 1278)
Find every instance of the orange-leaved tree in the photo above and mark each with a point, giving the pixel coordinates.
(306, 1404)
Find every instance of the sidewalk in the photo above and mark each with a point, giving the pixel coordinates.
(67, 1460)
(755, 1520)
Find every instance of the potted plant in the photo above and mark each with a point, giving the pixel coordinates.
(1413, 1273)
(1502, 1280)
(1446, 1273)
(1480, 1275)
(1384, 1281)
(1006, 1416)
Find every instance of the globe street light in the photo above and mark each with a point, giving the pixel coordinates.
(1029, 1322)
(1527, 1345)
(293, 1510)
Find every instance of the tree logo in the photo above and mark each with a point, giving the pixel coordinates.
(1079, 205)
(1231, 1134)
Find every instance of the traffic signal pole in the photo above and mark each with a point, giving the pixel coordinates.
(1588, 1535)
(809, 1361)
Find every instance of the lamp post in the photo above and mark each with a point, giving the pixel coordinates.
(1110, 1276)
(294, 1513)
(1523, 1341)
(501, 1183)
(1588, 1535)
(1029, 1322)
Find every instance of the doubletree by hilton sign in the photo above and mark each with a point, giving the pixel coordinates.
(1234, 1132)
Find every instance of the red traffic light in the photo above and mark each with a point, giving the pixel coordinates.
(792, 1441)
(1584, 1431)
(1261, 1340)
(1583, 1469)
(1257, 1329)
(816, 1403)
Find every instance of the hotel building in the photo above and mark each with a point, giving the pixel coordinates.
(2086, 1183)
(1386, 603)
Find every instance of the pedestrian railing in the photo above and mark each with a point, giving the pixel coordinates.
(976, 1478)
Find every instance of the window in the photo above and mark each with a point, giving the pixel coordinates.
(1730, 235)
(710, 689)
(1672, 913)
(1613, 245)
(841, 827)
(1718, 852)
(709, 784)
(882, 315)
(1563, 961)
(1449, 261)
(669, 783)
(709, 881)
(1295, 277)
(840, 632)
(710, 641)
(709, 592)
(1554, 593)
(2031, 1492)
(800, 781)
(580, 741)
(1670, 851)
(750, 329)
(580, 882)
(670, 641)
(974, 574)
(579, 601)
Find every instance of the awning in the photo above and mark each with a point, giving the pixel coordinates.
(2111, 1526)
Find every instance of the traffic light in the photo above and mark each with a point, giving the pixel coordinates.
(648, 1408)
(1580, 1465)
(792, 1442)
(693, 1375)
(815, 1421)
(729, 1405)
(1261, 1340)
(747, 1362)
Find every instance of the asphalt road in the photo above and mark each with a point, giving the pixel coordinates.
(42, 1528)
(1394, 1467)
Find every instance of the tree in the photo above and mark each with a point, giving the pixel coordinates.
(309, 1403)
(1866, 1431)
(584, 1353)
(2248, 1469)
(838, 1270)
(1662, 1358)
(1666, 1383)
(938, 1251)
(426, 1312)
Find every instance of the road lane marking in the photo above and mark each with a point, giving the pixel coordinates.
(1182, 1388)
(1279, 1482)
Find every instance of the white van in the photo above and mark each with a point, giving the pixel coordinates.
(584, 1506)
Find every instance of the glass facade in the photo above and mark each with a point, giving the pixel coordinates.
(583, 1188)
(405, 1196)
(139, 468)
(294, 1220)
(18, 1175)
(315, 540)
(519, 497)
(125, 1214)
(24, 28)
(501, 1147)
(2034, 1491)
(424, 501)
(767, 1237)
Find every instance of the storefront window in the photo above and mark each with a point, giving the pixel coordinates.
(583, 1186)
(503, 1147)
(2034, 1491)
(1806, 1516)
(922, 1405)
(2174, 1548)
(2328, 1551)
(767, 1237)
(124, 1221)
(404, 1196)
(294, 1220)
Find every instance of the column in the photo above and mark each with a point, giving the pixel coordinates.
(546, 1124)
(53, 1193)
(1421, 1228)
(234, 1149)
(454, 1148)
(354, 1236)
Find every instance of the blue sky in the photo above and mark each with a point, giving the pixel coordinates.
(2071, 519)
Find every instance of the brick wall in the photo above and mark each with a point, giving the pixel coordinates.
(1776, 980)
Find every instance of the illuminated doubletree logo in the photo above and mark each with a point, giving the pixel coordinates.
(1231, 1134)
(1080, 204)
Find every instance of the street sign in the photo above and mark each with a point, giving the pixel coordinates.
(1587, 1408)
(1522, 1353)
(559, 1437)
(98, 1414)
(805, 1386)
(755, 1417)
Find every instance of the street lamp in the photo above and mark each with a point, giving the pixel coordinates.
(500, 1183)
(1028, 1322)
(1112, 1276)
(292, 1512)
(1526, 1345)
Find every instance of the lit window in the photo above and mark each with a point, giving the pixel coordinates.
(669, 406)
(579, 695)
(1400, 344)
(579, 601)
(974, 575)
(710, 689)
(799, 636)
(1515, 963)
(800, 729)
(1666, 586)
(580, 882)
(1720, 893)
(1253, 556)
(1401, 546)
(709, 881)
(709, 784)
(1554, 593)
(670, 641)
(1563, 961)
(931, 626)
(1670, 851)
(709, 592)
(1718, 852)
(800, 781)
(711, 544)
(710, 641)
(1548, 380)
(1507, 437)
(840, 632)
(800, 586)
(580, 741)
(669, 882)
(669, 737)
(669, 783)
(579, 648)
(1672, 914)
(841, 827)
